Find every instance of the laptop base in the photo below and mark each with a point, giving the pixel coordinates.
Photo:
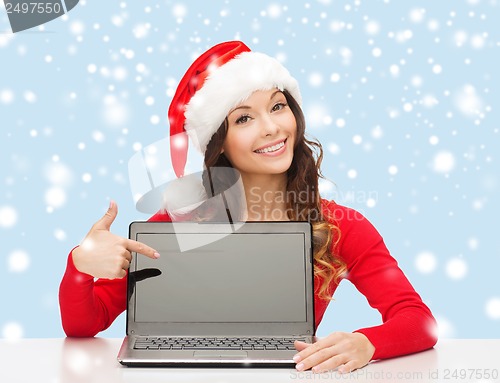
(206, 358)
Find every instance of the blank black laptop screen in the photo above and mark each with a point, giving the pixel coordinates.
(242, 277)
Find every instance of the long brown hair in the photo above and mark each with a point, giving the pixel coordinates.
(303, 176)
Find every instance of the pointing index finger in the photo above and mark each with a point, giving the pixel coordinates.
(141, 248)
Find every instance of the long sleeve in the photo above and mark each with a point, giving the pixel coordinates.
(89, 307)
(408, 325)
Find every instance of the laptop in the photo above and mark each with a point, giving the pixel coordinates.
(220, 294)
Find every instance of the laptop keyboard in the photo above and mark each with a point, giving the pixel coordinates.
(214, 343)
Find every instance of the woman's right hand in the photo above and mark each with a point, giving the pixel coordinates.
(105, 255)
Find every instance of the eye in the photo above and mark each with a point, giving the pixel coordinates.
(278, 106)
(243, 119)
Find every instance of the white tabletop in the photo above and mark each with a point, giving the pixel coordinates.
(94, 360)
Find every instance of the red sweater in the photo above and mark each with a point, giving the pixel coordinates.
(88, 307)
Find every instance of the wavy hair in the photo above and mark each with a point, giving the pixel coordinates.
(302, 178)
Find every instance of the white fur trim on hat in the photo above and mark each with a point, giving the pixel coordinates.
(229, 85)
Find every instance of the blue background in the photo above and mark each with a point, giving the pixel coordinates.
(400, 93)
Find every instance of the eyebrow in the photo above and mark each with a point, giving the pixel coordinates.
(249, 107)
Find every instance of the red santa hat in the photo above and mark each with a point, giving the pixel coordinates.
(217, 81)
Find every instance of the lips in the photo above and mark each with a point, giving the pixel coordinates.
(271, 147)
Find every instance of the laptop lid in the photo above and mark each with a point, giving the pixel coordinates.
(255, 278)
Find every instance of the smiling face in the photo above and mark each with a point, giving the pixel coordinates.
(261, 134)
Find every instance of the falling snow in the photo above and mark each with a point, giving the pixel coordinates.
(12, 331)
(8, 216)
(425, 262)
(468, 101)
(18, 261)
(446, 329)
(456, 268)
(493, 308)
(443, 162)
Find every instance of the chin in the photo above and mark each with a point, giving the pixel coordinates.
(280, 169)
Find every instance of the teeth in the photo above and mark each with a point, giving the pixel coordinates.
(271, 148)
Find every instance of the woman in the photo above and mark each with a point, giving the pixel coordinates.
(242, 110)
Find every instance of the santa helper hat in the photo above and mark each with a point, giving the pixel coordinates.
(217, 81)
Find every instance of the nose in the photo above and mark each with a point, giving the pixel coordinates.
(270, 127)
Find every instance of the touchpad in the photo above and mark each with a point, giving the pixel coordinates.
(226, 354)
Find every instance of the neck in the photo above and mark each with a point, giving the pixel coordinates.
(266, 197)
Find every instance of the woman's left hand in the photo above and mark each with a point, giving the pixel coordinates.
(347, 351)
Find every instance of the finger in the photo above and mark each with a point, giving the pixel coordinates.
(299, 345)
(348, 367)
(105, 222)
(127, 255)
(305, 352)
(125, 264)
(141, 248)
(328, 364)
(316, 358)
